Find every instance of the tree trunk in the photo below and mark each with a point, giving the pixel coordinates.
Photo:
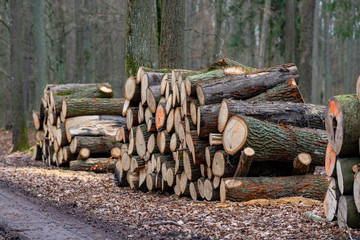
(141, 41)
(244, 86)
(245, 161)
(95, 125)
(19, 129)
(284, 92)
(272, 142)
(315, 81)
(93, 164)
(248, 188)
(94, 106)
(341, 124)
(264, 33)
(306, 47)
(295, 114)
(290, 31)
(94, 144)
(347, 214)
(171, 52)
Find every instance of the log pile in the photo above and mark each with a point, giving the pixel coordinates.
(227, 132)
(76, 126)
(342, 160)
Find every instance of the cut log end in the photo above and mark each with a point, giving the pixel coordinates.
(130, 86)
(234, 135)
(223, 116)
(330, 161)
(193, 191)
(234, 70)
(347, 214)
(200, 95)
(160, 117)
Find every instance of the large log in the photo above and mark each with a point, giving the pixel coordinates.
(347, 214)
(152, 97)
(94, 144)
(342, 127)
(92, 106)
(248, 188)
(294, 114)
(96, 125)
(284, 92)
(93, 164)
(344, 173)
(244, 86)
(272, 142)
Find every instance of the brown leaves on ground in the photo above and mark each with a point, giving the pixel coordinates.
(155, 214)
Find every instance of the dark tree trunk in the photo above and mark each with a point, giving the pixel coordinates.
(171, 52)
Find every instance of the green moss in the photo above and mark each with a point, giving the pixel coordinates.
(65, 92)
(23, 143)
(130, 66)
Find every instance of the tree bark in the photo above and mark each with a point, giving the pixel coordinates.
(344, 173)
(306, 47)
(120, 175)
(331, 200)
(272, 142)
(171, 51)
(93, 164)
(244, 86)
(245, 161)
(294, 114)
(207, 119)
(264, 33)
(347, 214)
(245, 189)
(94, 144)
(301, 164)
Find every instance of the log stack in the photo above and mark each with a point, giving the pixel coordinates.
(227, 132)
(342, 160)
(76, 126)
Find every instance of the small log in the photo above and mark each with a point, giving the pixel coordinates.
(94, 144)
(160, 117)
(194, 104)
(132, 90)
(245, 161)
(84, 154)
(37, 153)
(301, 164)
(330, 161)
(151, 125)
(122, 135)
(153, 95)
(177, 119)
(294, 114)
(273, 142)
(170, 121)
(347, 214)
(126, 161)
(196, 146)
(207, 119)
(284, 92)
(344, 173)
(194, 191)
(116, 152)
(96, 125)
(142, 137)
(164, 80)
(132, 179)
(248, 188)
(93, 164)
(125, 107)
(174, 143)
(210, 193)
(179, 161)
(170, 176)
(142, 71)
(160, 159)
(168, 105)
(244, 86)
(331, 200)
(341, 126)
(200, 185)
(152, 182)
(209, 173)
(224, 165)
(67, 155)
(210, 152)
(163, 142)
(192, 171)
(148, 115)
(203, 170)
(141, 114)
(136, 164)
(182, 135)
(151, 144)
(215, 139)
(147, 80)
(131, 118)
(216, 182)
(60, 135)
(120, 175)
(189, 125)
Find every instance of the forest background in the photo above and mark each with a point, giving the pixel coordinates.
(86, 41)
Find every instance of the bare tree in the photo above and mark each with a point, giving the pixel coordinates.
(264, 33)
(290, 31)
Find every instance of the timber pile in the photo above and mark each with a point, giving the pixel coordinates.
(76, 126)
(342, 161)
(228, 132)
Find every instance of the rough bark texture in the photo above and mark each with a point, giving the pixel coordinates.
(171, 52)
(342, 128)
(344, 173)
(94, 144)
(272, 142)
(301, 164)
(245, 189)
(306, 47)
(141, 47)
(244, 86)
(93, 106)
(295, 114)
(284, 92)
(93, 164)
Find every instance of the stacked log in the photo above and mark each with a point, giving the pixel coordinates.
(76, 126)
(342, 160)
(184, 134)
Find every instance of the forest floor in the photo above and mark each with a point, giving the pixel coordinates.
(85, 205)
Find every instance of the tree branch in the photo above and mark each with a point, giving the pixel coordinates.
(5, 24)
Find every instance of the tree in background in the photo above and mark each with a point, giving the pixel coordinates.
(141, 45)
(264, 33)
(171, 49)
(290, 31)
(19, 129)
(306, 47)
(40, 47)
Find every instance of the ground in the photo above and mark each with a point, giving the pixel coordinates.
(96, 207)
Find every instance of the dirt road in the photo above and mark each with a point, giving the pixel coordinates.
(22, 218)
